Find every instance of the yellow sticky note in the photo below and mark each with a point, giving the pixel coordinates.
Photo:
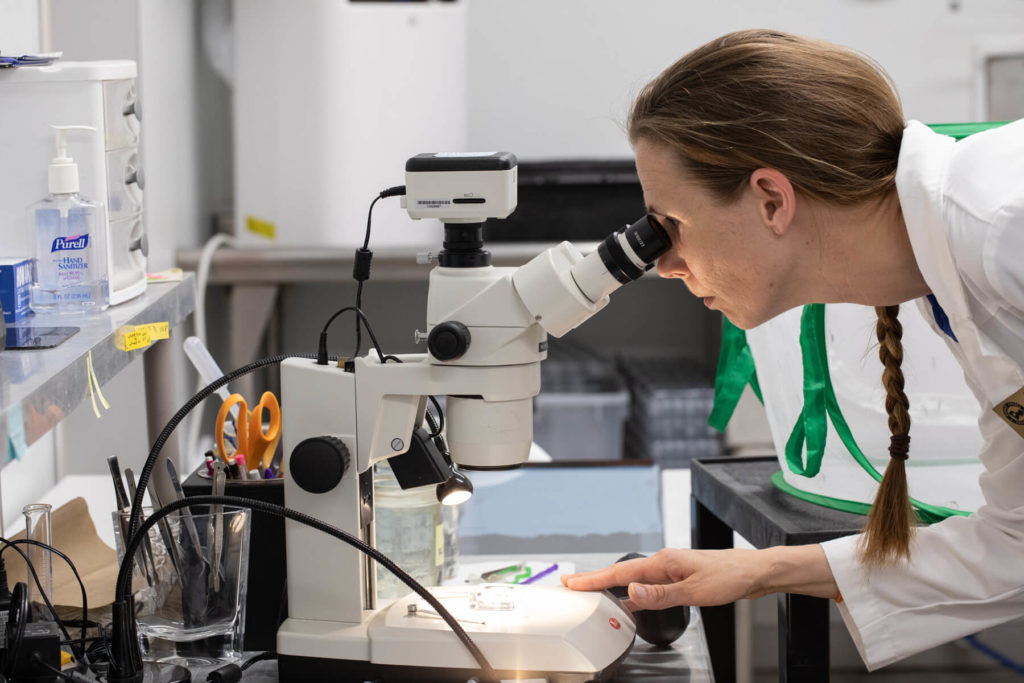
(129, 338)
(261, 227)
(156, 330)
(439, 545)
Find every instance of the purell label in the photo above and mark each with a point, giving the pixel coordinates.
(74, 243)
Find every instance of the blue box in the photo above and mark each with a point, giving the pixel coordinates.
(15, 287)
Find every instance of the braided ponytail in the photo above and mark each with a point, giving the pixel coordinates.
(890, 525)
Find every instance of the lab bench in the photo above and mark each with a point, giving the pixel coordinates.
(685, 661)
(38, 388)
(736, 494)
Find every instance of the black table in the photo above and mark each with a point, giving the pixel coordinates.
(736, 494)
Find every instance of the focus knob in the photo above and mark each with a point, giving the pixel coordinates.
(449, 340)
(318, 463)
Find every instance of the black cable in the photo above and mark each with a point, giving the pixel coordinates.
(18, 615)
(39, 585)
(263, 656)
(122, 592)
(321, 349)
(436, 426)
(38, 659)
(361, 266)
(74, 570)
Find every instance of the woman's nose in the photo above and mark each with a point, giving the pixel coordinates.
(672, 265)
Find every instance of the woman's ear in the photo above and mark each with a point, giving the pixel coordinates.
(775, 197)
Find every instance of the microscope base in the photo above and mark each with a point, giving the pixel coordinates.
(310, 669)
(545, 632)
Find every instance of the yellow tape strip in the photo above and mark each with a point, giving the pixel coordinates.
(261, 227)
(156, 330)
(130, 338)
(96, 382)
(92, 394)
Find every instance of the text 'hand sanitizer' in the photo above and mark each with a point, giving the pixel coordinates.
(70, 273)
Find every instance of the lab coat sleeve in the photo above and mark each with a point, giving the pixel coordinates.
(965, 574)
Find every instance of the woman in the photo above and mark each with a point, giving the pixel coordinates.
(785, 174)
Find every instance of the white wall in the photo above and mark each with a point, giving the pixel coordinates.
(19, 27)
(555, 79)
(23, 480)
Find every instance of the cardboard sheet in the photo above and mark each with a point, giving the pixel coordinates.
(74, 535)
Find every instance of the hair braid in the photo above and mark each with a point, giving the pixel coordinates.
(891, 522)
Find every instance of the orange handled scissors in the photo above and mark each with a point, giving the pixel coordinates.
(257, 445)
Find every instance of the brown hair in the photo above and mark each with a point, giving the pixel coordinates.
(830, 120)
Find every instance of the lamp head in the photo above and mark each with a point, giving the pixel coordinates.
(456, 490)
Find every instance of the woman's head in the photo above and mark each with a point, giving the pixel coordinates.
(825, 116)
(729, 140)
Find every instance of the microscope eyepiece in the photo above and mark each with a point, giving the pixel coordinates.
(630, 252)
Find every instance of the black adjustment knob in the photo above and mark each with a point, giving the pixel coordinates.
(318, 463)
(449, 340)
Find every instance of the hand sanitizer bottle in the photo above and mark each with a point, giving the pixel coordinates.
(70, 268)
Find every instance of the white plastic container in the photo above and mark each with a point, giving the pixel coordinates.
(943, 467)
(100, 94)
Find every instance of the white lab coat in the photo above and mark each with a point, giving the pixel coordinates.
(963, 203)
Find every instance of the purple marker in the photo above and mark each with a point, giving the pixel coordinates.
(268, 473)
(539, 575)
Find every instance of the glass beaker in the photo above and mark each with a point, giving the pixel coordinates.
(37, 528)
(409, 529)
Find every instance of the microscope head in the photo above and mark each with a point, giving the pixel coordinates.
(488, 326)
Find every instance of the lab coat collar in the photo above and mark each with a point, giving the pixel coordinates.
(920, 176)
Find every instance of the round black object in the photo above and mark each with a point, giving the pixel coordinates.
(659, 627)
(318, 463)
(448, 340)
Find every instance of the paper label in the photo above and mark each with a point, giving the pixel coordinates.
(156, 330)
(130, 338)
(1012, 411)
(261, 228)
(439, 545)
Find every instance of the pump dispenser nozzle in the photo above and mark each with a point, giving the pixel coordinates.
(63, 171)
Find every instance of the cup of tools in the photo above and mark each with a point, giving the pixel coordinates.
(190, 585)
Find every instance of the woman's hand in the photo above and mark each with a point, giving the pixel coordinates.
(713, 577)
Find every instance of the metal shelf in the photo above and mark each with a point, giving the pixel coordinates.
(39, 388)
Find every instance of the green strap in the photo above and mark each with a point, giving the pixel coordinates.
(819, 400)
(958, 131)
(735, 371)
(810, 425)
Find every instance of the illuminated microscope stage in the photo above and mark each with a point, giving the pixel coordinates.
(526, 632)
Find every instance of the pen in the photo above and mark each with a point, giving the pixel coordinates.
(243, 470)
(496, 574)
(540, 575)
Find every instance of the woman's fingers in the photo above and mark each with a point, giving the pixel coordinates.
(657, 595)
(646, 569)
